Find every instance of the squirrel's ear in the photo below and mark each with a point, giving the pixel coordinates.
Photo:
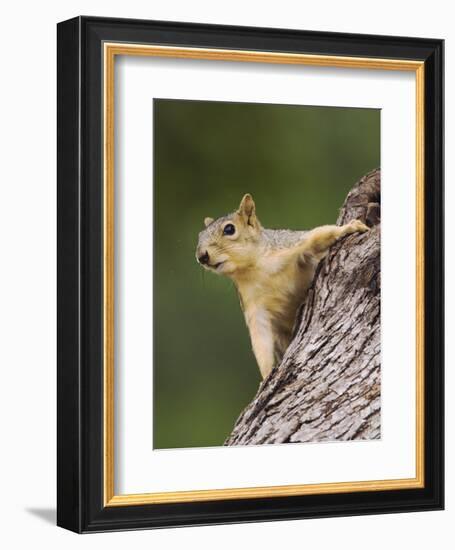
(247, 209)
(208, 221)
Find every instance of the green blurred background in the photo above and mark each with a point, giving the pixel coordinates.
(298, 163)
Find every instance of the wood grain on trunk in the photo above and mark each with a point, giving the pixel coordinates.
(328, 385)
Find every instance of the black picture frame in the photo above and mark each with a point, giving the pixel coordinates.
(80, 475)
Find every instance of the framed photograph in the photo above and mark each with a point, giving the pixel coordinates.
(250, 274)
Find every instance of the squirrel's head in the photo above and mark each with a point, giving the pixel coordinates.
(228, 245)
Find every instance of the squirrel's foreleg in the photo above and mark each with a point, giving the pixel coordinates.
(317, 241)
(320, 239)
(262, 339)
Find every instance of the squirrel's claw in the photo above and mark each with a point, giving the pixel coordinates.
(358, 226)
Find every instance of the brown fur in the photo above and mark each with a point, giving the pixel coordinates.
(272, 270)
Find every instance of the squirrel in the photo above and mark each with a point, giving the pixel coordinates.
(272, 270)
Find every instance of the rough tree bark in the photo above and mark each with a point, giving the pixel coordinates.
(327, 386)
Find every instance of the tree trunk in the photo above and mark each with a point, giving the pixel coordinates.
(328, 385)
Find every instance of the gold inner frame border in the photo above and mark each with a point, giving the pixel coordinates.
(110, 51)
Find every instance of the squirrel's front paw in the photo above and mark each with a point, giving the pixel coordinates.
(356, 226)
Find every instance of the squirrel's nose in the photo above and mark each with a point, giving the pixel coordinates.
(204, 259)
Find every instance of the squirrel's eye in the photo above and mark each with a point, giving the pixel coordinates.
(229, 229)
